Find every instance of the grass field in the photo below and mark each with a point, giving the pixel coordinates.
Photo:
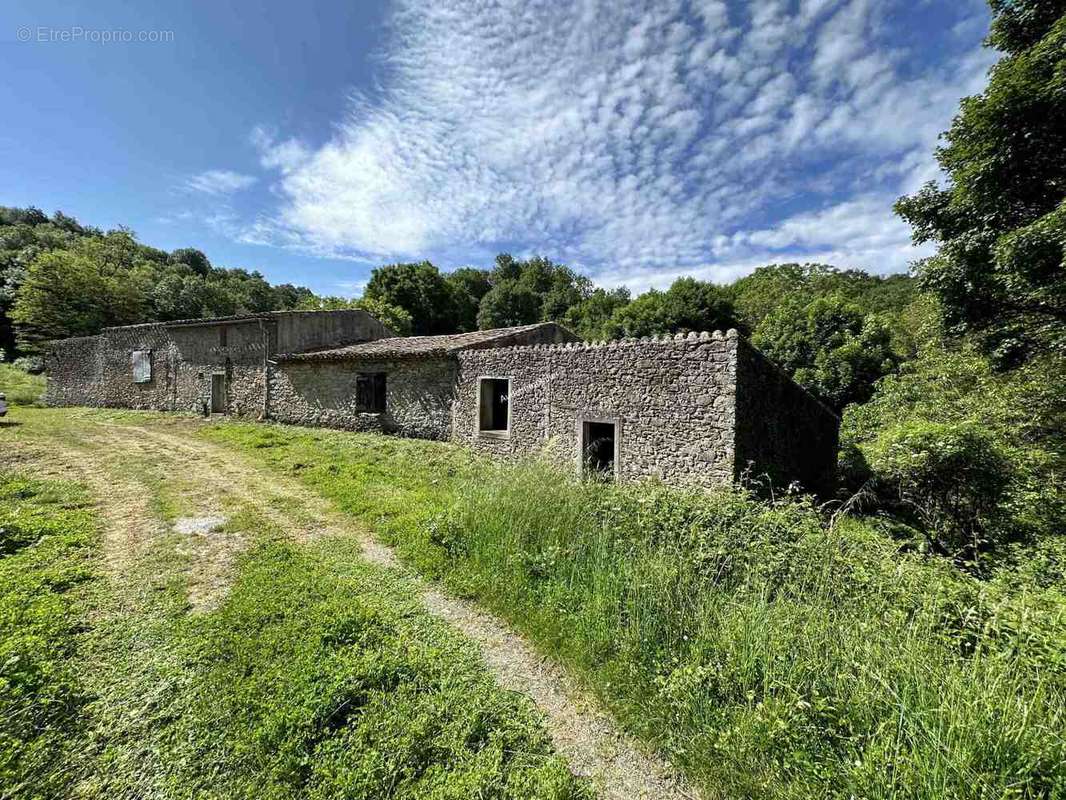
(301, 671)
(767, 655)
(20, 387)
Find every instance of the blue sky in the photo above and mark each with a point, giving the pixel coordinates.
(316, 140)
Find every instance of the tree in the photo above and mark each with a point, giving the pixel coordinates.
(1000, 222)
(953, 477)
(469, 285)
(74, 293)
(393, 317)
(758, 294)
(829, 347)
(688, 305)
(590, 317)
(192, 258)
(421, 291)
(508, 303)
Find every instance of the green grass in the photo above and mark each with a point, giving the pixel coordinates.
(46, 539)
(21, 388)
(765, 654)
(326, 679)
(317, 676)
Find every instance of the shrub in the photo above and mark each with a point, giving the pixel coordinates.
(21, 387)
(953, 476)
(34, 365)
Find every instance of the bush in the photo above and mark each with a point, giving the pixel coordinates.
(33, 365)
(953, 476)
(21, 388)
(1021, 415)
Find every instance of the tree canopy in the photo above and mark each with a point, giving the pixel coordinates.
(1000, 221)
(59, 278)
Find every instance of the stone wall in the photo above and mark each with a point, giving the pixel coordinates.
(98, 370)
(783, 432)
(418, 395)
(672, 401)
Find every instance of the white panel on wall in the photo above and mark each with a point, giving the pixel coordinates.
(142, 366)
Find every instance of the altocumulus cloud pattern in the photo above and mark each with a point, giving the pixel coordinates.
(638, 141)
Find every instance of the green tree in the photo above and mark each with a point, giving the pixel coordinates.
(829, 347)
(469, 285)
(508, 303)
(556, 287)
(1000, 221)
(421, 291)
(192, 258)
(688, 305)
(760, 293)
(951, 382)
(590, 318)
(953, 478)
(393, 317)
(74, 293)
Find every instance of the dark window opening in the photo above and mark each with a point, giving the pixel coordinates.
(495, 404)
(598, 448)
(370, 392)
(222, 333)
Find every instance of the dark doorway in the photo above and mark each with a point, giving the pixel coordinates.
(370, 392)
(598, 441)
(495, 410)
(218, 393)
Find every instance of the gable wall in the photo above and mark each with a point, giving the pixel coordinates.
(97, 370)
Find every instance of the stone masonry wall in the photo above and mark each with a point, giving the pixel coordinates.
(98, 371)
(783, 432)
(418, 395)
(671, 398)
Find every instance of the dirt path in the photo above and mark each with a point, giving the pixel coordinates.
(119, 461)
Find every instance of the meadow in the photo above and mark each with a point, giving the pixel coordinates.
(767, 648)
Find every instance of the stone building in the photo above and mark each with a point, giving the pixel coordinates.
(697, 409)
(219, 365)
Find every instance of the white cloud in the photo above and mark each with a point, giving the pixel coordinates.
(219, 182)
(640, 142)
(285, 155)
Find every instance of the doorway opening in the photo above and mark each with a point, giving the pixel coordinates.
(218, 393)
(599, 449)
(494, 412)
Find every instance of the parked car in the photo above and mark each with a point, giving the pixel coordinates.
(3, 404)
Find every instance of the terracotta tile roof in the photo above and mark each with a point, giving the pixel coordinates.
(429, 346)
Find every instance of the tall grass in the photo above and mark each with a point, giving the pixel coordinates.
(766, 654)
(20, 387)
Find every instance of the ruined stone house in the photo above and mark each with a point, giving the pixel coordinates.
(697, 410)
